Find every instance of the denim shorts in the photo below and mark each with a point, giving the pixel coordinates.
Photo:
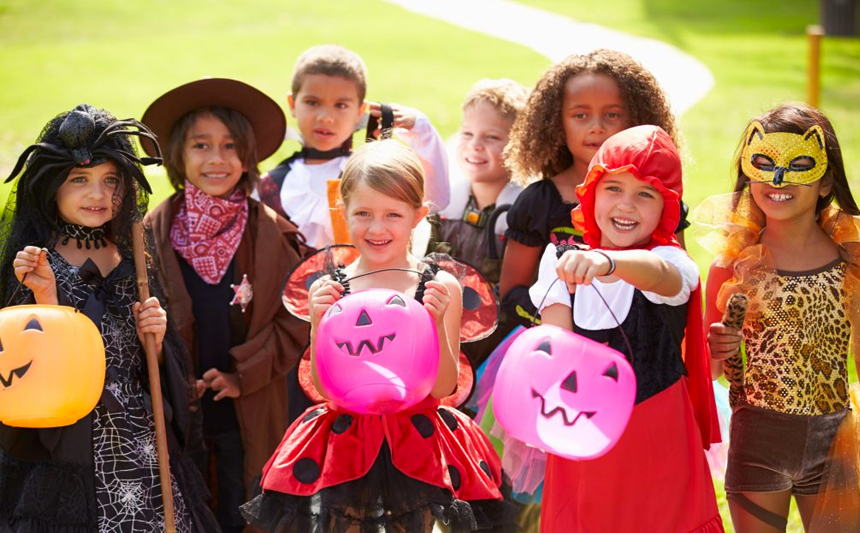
(771, 451)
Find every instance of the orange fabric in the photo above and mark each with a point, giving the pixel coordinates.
(338, 221)
(837, 507)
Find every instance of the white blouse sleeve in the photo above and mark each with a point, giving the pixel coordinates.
(547, 290)
(688, 269)
(428, 144)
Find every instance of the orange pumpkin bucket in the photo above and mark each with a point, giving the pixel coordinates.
(52, 366)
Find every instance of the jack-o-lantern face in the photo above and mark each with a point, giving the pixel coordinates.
(566, 394)
(15, 363)
(52, 365)
(377, 352)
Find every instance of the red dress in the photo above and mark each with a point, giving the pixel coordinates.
(336, 470)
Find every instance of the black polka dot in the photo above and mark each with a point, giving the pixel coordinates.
(486, 468)
(306, 470)
(341, 424)
(313, 414)
(471, 299)
(449, 419)
(455, 476)
(423, 425)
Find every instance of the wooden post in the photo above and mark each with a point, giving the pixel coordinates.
(814, 34)
(154, 382)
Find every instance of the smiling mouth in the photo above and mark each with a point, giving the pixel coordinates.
(18, 372)
(779, 197)
(346, 346)
(624, 224)
(556, 410)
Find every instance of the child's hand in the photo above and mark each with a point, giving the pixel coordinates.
(724, 341)
(436, 300)
(225, 384)
(201, 386)
(31, 265)
(150, 318)
(580, 267)
(323, 297)
(404, 117)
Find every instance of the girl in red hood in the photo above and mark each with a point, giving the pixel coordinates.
(645, 290)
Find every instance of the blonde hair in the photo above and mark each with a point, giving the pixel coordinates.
(331, 60)
(507, 96)
(388, 167)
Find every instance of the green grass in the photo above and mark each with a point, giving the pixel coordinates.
(121, 55)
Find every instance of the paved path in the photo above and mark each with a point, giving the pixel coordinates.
(685, 79)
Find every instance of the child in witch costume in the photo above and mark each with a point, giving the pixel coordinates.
(338, 470)
(67, 239)
(224, 259)
(327, 100)
(628, 214)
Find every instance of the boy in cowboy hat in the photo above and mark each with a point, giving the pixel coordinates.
(223, 259)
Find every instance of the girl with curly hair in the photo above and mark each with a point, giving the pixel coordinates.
(588, 98)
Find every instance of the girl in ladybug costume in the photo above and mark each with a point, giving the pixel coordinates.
(338, 470)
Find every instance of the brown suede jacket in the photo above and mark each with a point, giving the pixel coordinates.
(267, 253)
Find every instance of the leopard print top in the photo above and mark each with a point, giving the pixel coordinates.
(797, 337)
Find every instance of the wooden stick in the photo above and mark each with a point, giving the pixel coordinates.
(154, 382)
(813, 66)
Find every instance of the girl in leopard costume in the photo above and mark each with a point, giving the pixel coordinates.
(789, 245)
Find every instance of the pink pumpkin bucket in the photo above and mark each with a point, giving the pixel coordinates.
(376, 352)
(566, 394)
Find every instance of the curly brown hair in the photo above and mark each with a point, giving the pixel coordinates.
(538, 147)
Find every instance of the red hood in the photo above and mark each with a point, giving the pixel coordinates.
(648, 153)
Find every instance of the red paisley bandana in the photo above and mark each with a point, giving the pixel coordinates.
(207, 230)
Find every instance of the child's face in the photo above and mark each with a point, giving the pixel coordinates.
(327, 110)
(89, 196)
(626, 210)
(592, 111)
(379, 225)
(790, 202)
(211, 156)
(483, 136)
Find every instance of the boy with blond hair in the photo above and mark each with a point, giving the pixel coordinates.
(482, 191)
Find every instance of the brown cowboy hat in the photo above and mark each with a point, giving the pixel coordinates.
(265, 115)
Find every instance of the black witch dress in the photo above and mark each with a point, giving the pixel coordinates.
(101, 473)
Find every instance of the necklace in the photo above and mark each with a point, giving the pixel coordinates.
(84, 235)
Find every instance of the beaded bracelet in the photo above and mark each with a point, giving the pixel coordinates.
(611, 262)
